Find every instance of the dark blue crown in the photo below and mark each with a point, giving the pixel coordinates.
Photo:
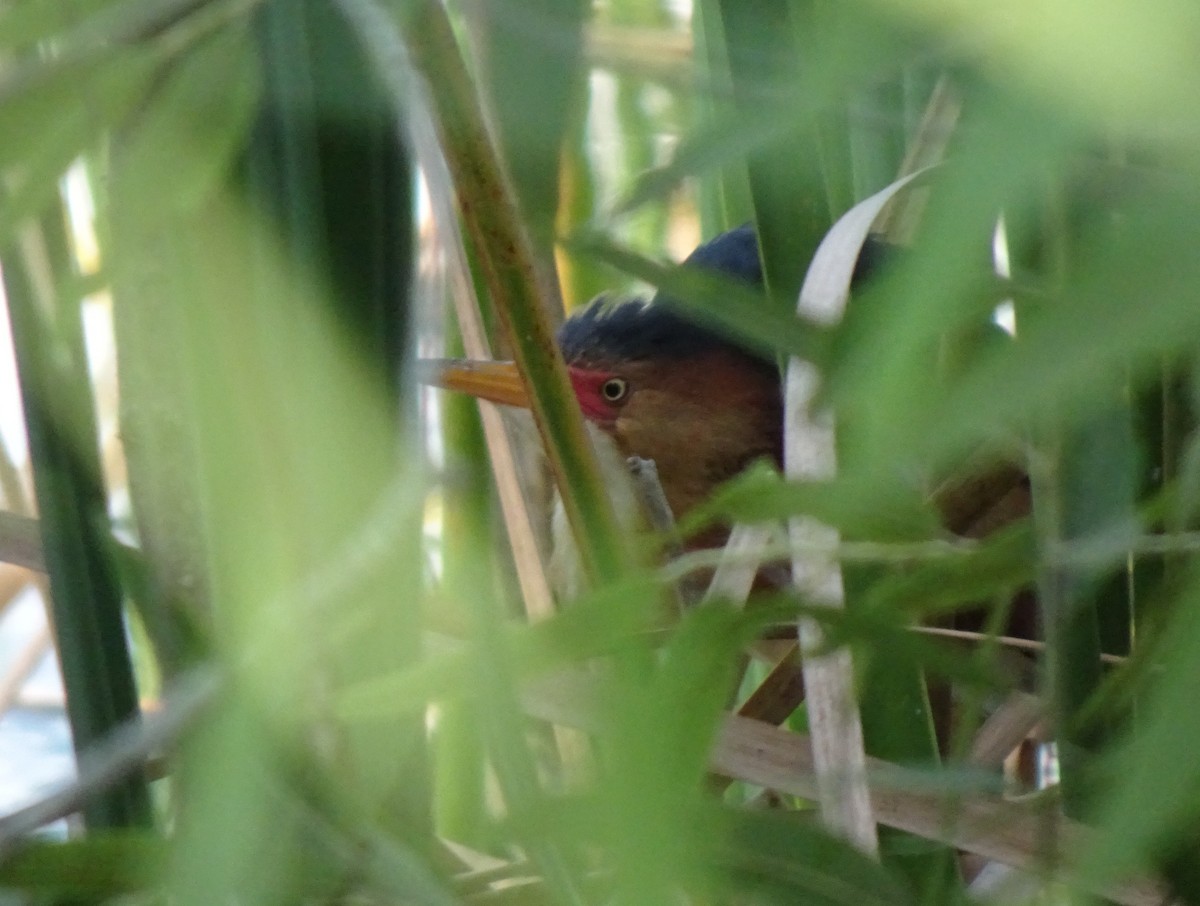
(636, 330)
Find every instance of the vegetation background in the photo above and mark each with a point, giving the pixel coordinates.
(338, 612)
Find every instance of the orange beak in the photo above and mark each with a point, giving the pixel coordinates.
(496, 382)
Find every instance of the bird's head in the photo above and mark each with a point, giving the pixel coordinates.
(662, 386)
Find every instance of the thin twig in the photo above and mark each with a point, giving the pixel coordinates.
(392, 64)
(878, 552)
(425, 50)
(1007, 641)
(122, 754)
(741, 558)
(20, 544)
(1004, 730)
(1014, 833)
(22, 666)
(21, 541)
(649, 490)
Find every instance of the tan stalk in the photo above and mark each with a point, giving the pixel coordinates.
(1012, 832)
(810, 455)
(489, 216)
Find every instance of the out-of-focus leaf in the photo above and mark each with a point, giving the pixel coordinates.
(882, 376)
(48, 122)
(731, 307)
(860, 510)
(1130, 305)
(86, 597)
(598, 623)
(1083, 484)
(711, 146)
(1002, 564)
(657, 748)
(25, 23)
(791, 213)
(1156, 800)
(196, 120)
(530, 71)
(102, 865)
(789, 858)
(44, 114)
(724, 197)
(901, 644)
(1102, 59)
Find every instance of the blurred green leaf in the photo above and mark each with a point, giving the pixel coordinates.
(1130, 305)
(262, 212)
(761, 494)
(30, 21)
(1000, 565)
(731, 307)
(1103, 60)
(196, 121)
(725, 197)
(103, 865)
(791, 212)
(599, 623)
(533, 81)
(1153, 799)
(656, 751)
(788, 858)
(48, 123)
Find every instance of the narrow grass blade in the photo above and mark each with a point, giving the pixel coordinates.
(76, 541)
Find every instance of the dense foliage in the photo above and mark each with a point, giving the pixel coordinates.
(367, 695)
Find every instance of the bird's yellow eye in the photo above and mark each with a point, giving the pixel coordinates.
(614, 389)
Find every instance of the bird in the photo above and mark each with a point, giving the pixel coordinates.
(654, 383)
(663, 387)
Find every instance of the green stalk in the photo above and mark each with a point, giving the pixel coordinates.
(459, 766)
(504, 260)
(876, 139)
(86, 595)
(344, 202)
(1083, 485)
(1079, 490)
(785, 183)
(533, 81)
(725, 199)
(490, 217)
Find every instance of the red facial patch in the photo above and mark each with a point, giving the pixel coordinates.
(587, 386)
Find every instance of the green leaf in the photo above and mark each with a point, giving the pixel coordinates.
(731, 307)
(1103, 59)
(103, 865)
(601, 622)
(1153, 800)
(184, 141)
(656, 745)
(48, 123)
(789, 858)
(859, 509)
(26, 23)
